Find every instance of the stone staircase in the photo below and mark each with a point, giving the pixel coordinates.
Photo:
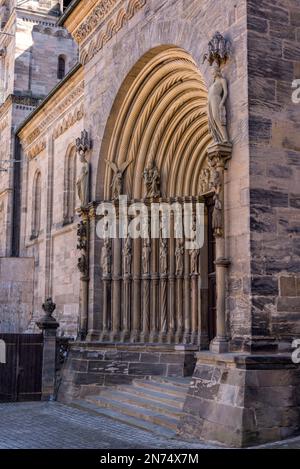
(154, 404)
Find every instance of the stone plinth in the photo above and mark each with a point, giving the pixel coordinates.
(242, 400)
(101, 364)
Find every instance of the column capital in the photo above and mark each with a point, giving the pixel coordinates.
(220, 151)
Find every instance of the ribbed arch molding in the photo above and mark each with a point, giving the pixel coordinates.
(160, 114)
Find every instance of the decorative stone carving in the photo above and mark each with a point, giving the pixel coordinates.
(163, 254)
(218, 50)
(49, 307)
(205, 185)
(83, 181)
(217, 96)
(217, 218)
(117, 181)
(83, 265)
(106, 258)
(127, 256)
(194, 253)
(82, 236)
(152, 180)
(146, 252)
(179, 253)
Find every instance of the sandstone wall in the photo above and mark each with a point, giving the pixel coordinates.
(16, 294)
(274, 62)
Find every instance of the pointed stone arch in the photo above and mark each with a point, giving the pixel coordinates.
(159, 113)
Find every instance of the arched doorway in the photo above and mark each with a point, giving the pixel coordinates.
(157, 291)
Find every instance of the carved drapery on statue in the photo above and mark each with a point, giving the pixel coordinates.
(83, 144)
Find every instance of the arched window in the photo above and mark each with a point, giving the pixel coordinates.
(61, 67)
(70, 186)
(36, 205)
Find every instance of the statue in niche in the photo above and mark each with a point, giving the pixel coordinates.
(146, 255)
(106, 257)
(83, 181)
(152, 180)
(179, 253)
(117, 181)
(127, 256)
(163, 254)
(217, 96)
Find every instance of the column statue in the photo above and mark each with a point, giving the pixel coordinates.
(217, 96)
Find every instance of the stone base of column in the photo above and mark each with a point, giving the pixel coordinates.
(93, 335)
(219, 345)
(242, 400)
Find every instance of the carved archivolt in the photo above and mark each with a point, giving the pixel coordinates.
(68, 121)
(162, 118)
(113, 26)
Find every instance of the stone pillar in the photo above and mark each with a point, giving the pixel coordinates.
(154, 292)
(179, 255)
(187, 299)
(171, 289)
(49, 326)
(136, 313)
(116, 291)
(218, 154)
(83, 267)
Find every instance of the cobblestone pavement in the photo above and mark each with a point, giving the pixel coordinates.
(53, 425)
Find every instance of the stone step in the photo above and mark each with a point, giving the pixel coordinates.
(135, 411)
(124, 418)
(156, 396)
(163, 387)
(177, 381)
(142, 401)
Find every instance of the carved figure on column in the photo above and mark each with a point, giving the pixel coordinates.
(217, 218)
(82, 236)
(106, 258)
(194, 253)
(179, 253)
(163, 254)
(127, 256)
(117, 180)
(204, 180)
(83, 265)
(152, 180)
(83, 181)
(146, 252)
(217, 96)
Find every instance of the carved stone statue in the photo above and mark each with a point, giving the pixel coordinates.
(179, 253)
(117, 181)
(83, 182)
(152, 180)
(82, 236)
(218, 50)
(106, 258)
(194, 253)
(146, 256)
(163, 254)
(217, 218)
(127, 256)
(204, 180)
(217, 96)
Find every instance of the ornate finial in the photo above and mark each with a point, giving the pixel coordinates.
(218, 50)
(83, 143)
(49, 307)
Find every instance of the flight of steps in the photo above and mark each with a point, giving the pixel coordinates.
(154, 404)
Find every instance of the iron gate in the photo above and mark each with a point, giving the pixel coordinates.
(21, 375)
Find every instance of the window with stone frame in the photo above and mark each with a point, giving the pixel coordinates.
(61, 67)
(36, 205)
(70, 186)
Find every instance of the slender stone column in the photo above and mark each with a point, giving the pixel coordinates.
(146, 256)
(136, 313)
(218, 155)
(105, 315)
(116, 291)
(187, 299)
(194, 280)
(171, 289)
(179, 255)
(83, 266)
(154, 292)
